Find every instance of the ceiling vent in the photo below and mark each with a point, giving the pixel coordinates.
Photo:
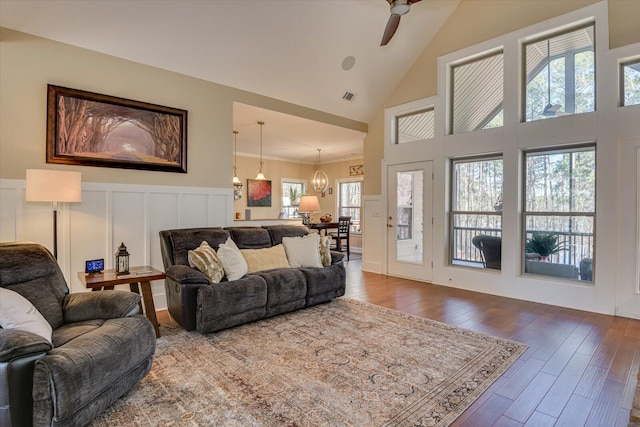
(348, 96)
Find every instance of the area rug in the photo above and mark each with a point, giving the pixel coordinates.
(344, 363)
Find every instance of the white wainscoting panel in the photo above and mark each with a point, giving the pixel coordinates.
(108, 215)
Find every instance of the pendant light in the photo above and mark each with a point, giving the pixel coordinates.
(237, 184)
(550, 109)
(260, 175)
(319, 181)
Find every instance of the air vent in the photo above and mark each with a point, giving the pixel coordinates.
(348, 96)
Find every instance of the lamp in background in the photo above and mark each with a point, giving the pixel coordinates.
(260, 175)
(319, 180)
(56, 187)
(237, 184)
(308, 205)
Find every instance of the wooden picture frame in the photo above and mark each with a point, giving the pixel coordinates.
(259, 193)
(91, 129)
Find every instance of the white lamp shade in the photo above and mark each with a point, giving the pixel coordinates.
(309, 204)
(53, 186)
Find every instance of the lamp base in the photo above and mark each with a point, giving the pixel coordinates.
(306, 220)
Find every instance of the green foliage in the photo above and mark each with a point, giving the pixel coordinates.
(294, 195)
(544, 244)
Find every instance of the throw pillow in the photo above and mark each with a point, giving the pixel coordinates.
(16, 312)
(232, 260)
(303, 251)
(266, 258)
(325, 250)
(205, 259)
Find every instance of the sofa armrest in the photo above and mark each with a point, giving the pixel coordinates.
(99, 305)
(184, 275)
(337, 257)
(15, 343)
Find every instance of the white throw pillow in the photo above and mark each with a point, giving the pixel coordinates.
(204, 258)
(17, 312)
(303, 251)
(232, 260)
(325, 250)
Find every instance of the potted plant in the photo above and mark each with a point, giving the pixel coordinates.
(294, 196)
(544, 244)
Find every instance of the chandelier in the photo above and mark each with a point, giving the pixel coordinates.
(319, 181)
(237, 184)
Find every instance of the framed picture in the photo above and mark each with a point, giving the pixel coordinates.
(356, 170)
(258, 193)
(90, 129)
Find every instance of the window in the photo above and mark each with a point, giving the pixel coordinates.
(478, 91)
(560, 75)
(476, 206)
(349, 202)
(415, 126)
(292, 189)
(630, 83)
(559, 212)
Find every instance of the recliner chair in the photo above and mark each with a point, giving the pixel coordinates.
(100, 346)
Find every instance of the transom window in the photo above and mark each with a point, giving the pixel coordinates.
(560, 75)
(477, 93)
(476, 209)
(415, 126)
(559, 212)
(630, 83)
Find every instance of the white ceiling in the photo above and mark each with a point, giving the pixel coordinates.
(291, 50)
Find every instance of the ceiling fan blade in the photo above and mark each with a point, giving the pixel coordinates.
(390, 29)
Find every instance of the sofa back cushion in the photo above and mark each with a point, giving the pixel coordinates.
(277, 232)
(188, 239)
(30, 270)
(250, 237)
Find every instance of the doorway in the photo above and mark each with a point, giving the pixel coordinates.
(410, 220)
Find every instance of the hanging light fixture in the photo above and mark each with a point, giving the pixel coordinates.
(260, 175)
(237, 184)
(319, 181)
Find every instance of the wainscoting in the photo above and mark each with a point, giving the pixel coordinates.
(108, 215)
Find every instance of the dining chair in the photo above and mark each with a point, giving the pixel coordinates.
(344, 224)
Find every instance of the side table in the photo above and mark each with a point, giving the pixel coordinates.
(138, 277)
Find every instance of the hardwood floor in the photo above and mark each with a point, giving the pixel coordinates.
(580, 368)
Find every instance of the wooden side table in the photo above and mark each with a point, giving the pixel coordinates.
(139, 277)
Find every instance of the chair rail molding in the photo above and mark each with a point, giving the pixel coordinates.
(108, 215)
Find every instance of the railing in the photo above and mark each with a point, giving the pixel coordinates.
(578, 245)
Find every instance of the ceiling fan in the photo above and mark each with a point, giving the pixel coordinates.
(398, 8)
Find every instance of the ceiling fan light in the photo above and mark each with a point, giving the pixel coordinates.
(400, 7)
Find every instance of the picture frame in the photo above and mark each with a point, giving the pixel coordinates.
(259, 193)
(92, 129)
(356, 170)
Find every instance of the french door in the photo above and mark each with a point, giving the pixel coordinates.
(410, 220)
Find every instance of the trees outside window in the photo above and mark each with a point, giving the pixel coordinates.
(559, 201)
(291, 191)
(560, 75)
(350, 202)
(476, 206)
(630, 83)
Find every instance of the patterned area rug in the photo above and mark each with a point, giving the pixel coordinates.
(343, 363)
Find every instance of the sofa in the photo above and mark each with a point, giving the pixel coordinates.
(197, 303)
(64, 357)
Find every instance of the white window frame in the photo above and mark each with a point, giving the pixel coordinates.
(357, 225)
(291, 180)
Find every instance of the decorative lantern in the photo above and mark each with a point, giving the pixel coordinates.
(122, 260)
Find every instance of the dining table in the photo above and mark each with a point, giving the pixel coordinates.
(323, 226)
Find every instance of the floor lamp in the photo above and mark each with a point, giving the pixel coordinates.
(56, 187)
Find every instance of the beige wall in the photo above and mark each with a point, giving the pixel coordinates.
(28, 64)
(275, 170)
(472, 22)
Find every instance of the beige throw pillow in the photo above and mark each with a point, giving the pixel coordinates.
(205, 259)
(303, 251)
(265, 259)
(325, 250)
(232, 260)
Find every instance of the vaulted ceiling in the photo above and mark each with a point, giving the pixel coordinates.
(307, 52)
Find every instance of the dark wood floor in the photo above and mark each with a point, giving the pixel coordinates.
(580, 368)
